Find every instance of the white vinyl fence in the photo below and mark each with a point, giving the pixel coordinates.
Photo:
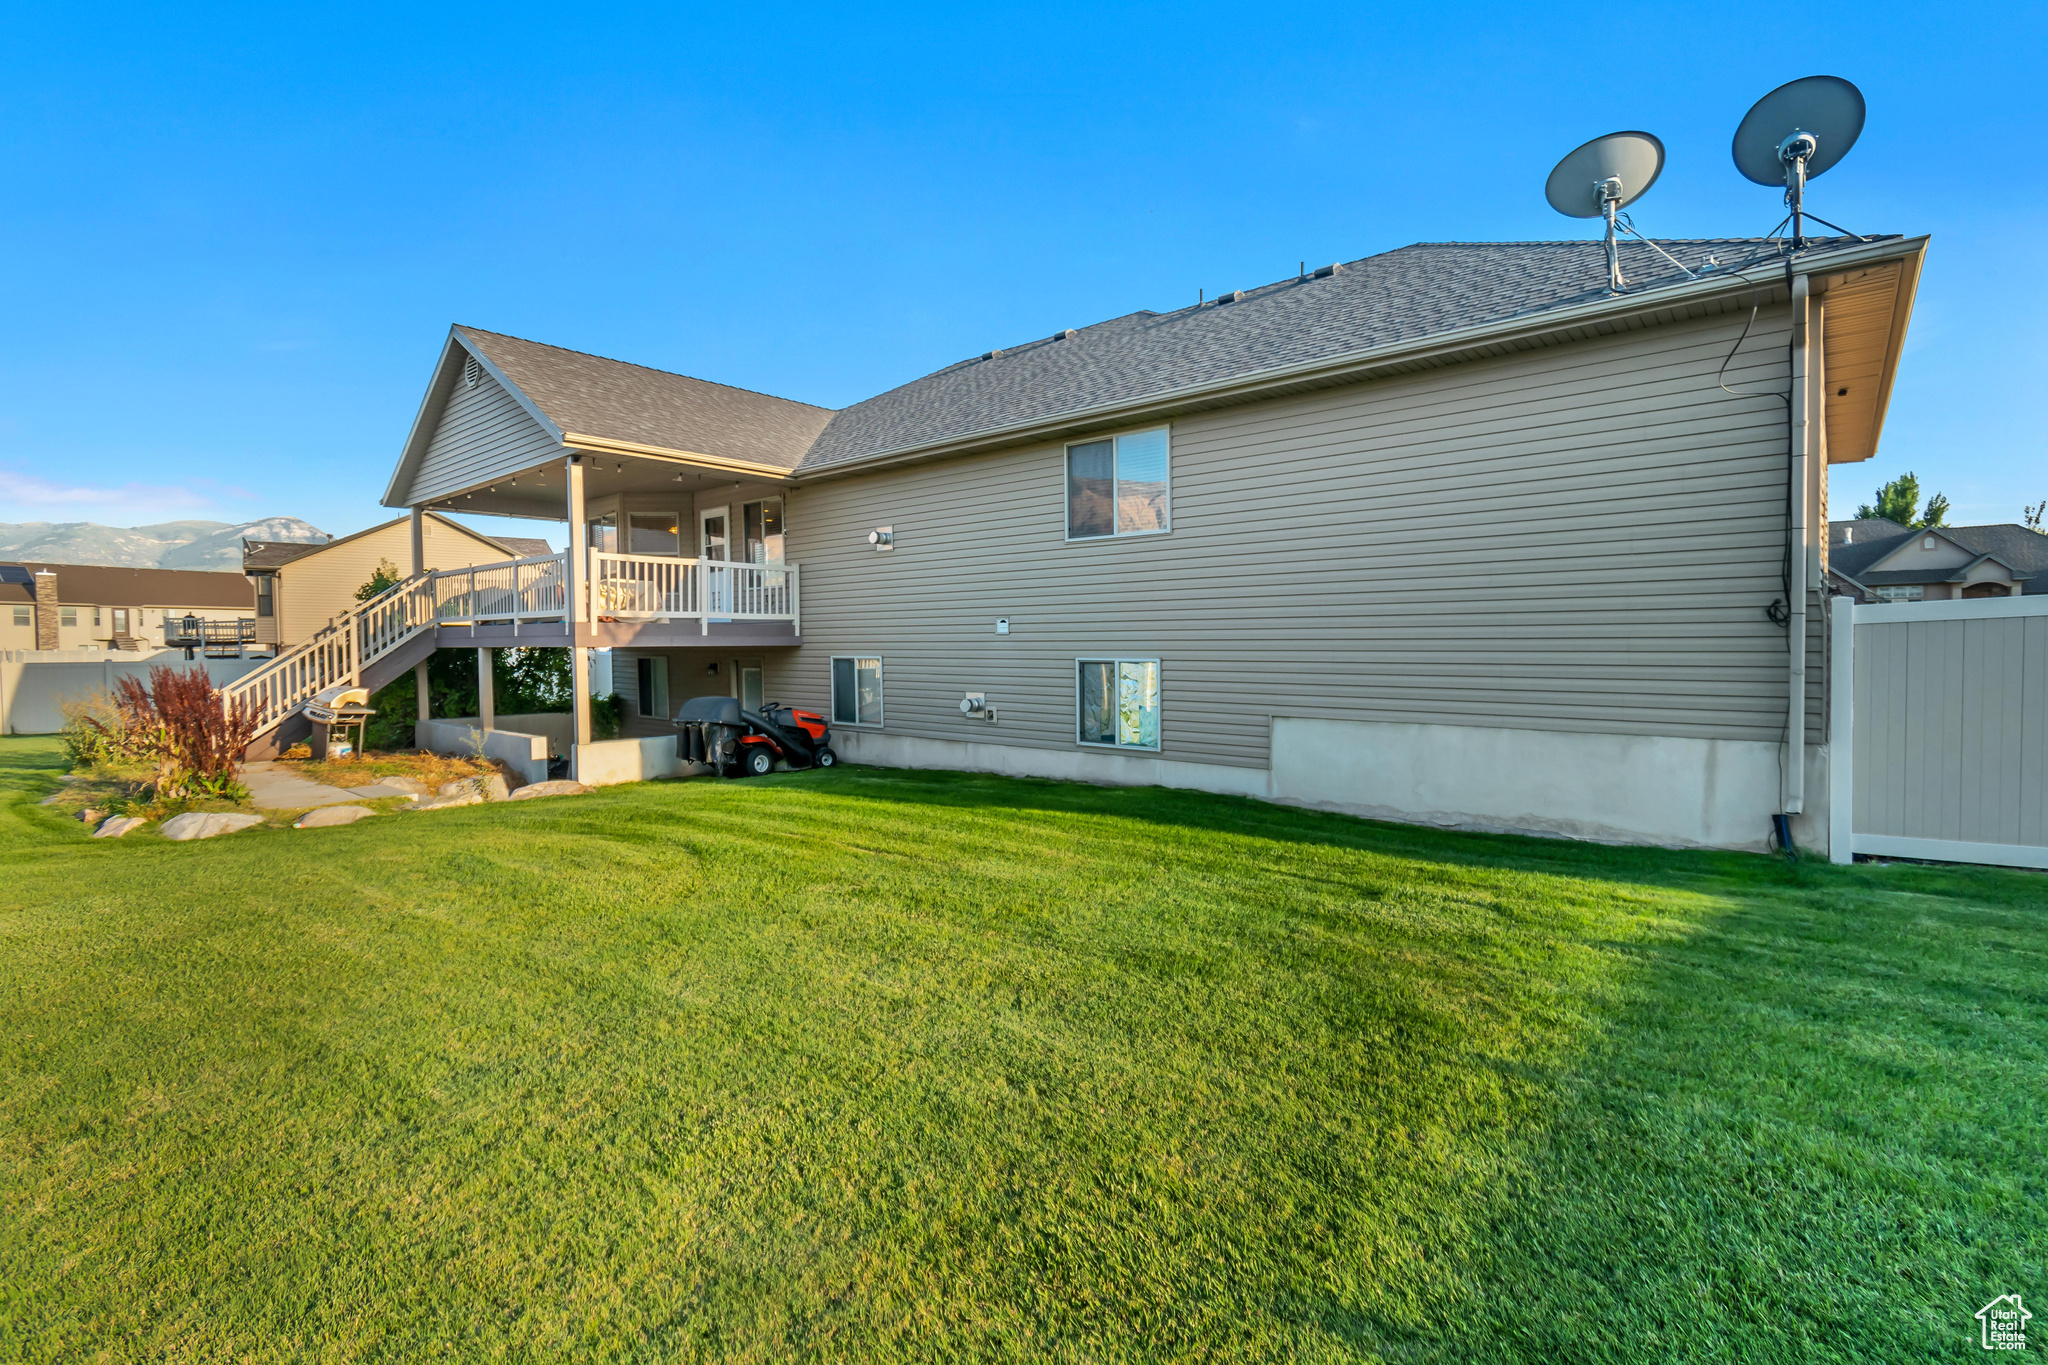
(1946, 707)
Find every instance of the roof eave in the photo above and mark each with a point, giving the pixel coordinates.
(1335, 369)
(1902, 315)
(606, 445)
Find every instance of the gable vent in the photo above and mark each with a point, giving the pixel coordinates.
(471, 372)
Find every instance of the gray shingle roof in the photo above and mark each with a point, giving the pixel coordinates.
(272, 554)
(2014, 545)
(2025, 552)
(1854, 546)
(107, 585)
(593, 396)
(526, 547)
(1398, 296)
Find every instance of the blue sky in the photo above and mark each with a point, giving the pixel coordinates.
(234, 238)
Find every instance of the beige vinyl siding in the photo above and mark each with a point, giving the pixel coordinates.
(1581, 538)
(483, 433)
(313, 590)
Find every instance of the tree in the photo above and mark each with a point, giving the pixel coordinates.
(523, 682)
(1899, 501)
(385, 577)
(2030, 517)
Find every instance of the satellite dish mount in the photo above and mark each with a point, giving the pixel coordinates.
(1600, 179)
(1796, 151)
(1793, 134)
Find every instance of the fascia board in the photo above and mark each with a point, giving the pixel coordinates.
(1902, 314)
(605, 445)
(432, 403)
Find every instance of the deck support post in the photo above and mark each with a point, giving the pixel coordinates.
(419, 541)
(486, 696)
(426, 706)
(579, 602)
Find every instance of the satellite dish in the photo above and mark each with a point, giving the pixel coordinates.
(1578, 187)
(1603, 177)
(1796, 132)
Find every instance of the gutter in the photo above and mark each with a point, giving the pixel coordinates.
(1245, 387)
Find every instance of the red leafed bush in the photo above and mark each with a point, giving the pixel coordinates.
(180, 721)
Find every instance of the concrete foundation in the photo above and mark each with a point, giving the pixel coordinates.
(1630, 789)
(612, 761)
(1075, 765)
(1633, 789)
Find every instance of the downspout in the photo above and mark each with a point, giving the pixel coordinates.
(1800, 420)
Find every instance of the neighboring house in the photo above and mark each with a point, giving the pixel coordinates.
(86, 606)
(1876, 560)
(300, 587)
(1450, 534)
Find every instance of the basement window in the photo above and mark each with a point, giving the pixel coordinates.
(856, 691)
(1119, 486)
(1118, 703)
(653, 687)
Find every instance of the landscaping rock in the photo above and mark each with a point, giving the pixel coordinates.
(405, 784)
(556, 788)
(458, 798)
(332, 815)
(92, 815)
(196, 824)
(118, 826)
(488, 788)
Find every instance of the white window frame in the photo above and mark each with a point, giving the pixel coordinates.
(24, 616)
(1115, 502)
(881, 692)
(1075, 677)
(67, 617)
(1900, 592)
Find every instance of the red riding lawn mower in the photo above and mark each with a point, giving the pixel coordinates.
(738, 743)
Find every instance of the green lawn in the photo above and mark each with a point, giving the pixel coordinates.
(876, 1065)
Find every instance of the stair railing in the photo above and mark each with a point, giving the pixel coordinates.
(336, 656)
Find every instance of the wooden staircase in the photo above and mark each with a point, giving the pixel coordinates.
(367, 646)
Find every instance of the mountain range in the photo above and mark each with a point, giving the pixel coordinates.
(166, 545)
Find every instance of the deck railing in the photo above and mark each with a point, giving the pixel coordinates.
(515, 590)
(662, 587)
